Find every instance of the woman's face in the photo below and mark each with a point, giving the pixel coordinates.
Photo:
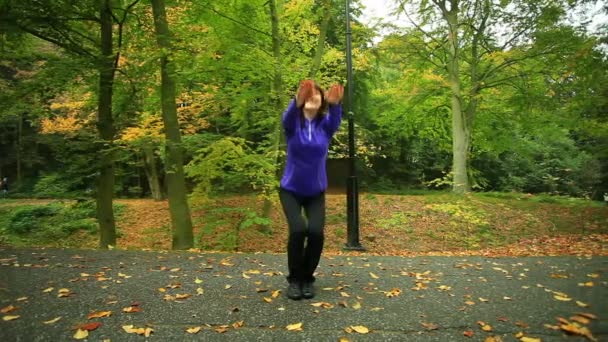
(314, 102)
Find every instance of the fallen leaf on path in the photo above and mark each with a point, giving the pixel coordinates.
(373, 275)
(131, 309)
(276, 293)
(360, 329)
(324, 305)
(430, 326)
(468, 333)
(395, 292)
(343, 339)
(197, 281)
(469, 302)
(344, 294)
(587, 315)
(122, 275)
(529, 339)
(20, 299)
(81, 334)
(64, 293)
(52, 321)
(238, 324)
(587, 284)
(222, 329)
(294, 327)
(356, 306)
(493, 339)
(99, 314)
(10, 317)
(8, 309)
(576, 329)
(268, 299)
(483, 300)
(227, 287)
(47, 290)
(563, 299)
(139, 331)
(593, 275)
(580, 319)
(444, 288)
(183, 296)
(199, 291)
(582, 304)
(193, 330)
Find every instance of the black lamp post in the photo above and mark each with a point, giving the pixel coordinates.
(352, 186)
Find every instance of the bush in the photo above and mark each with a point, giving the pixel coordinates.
(54, 186)
(25, 219)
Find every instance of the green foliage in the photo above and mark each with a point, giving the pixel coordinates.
(25, 219)
(231, 165)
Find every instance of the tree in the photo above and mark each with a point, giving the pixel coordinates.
(174, 161)
(68, 25)
(464, 39)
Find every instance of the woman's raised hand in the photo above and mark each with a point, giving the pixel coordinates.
(335, 94)
(305, 91)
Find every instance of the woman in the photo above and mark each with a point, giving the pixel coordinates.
(309, 127)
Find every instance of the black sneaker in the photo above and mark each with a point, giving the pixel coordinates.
(308, 290)
(294, 291)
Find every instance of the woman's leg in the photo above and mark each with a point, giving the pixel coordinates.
(315, 212)
(297, 233)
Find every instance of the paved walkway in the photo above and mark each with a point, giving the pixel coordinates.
(234, 297)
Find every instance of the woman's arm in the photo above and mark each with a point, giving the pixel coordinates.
(334, 97)
(290, 116)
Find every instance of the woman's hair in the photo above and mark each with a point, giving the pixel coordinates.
(322, 109)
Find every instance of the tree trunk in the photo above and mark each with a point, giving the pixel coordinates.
(19, 142)
(460, 134)
(174, 160)
(105, 180)
(150, 167)
(316, 62)
(277, 91)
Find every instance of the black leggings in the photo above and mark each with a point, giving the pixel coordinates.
(303, 256)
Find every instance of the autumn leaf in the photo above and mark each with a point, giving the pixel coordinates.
(20, 299)
(52, 321)
(267, 299)
(238, 324)
(276, 293)
(131, 309)
(197, 281)
(593, 275)
(193, 330)
(47, 290)
(483, 300)
(493, 339)
(294, 327)
(373, 275)
(360, 329)
(430, 326)
(64, 293)
(468, 333)
(200, 291)
(344, 294)
(343, 339)
(10, 317)
(529, 339)
(580, 319)
(469, 302)
(8, 309)
(221, 329)
(356, 306)
(139, 331)
(99, 314)
(582, 304)
(81, 334)
(394, 292)
(183, 296)
(322, 305)
(227, 287)
(561, 298)
(587, 284)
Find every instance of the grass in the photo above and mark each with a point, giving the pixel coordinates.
(433, 222)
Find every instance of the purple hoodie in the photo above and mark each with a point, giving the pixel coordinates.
(307, 147)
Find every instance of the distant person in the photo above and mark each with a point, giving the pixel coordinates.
(4, 186)
(310, 121)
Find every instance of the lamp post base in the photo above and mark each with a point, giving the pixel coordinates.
(354, 248)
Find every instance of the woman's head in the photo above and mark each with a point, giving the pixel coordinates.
(316, 104)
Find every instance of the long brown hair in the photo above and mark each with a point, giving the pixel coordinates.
(322, 109)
